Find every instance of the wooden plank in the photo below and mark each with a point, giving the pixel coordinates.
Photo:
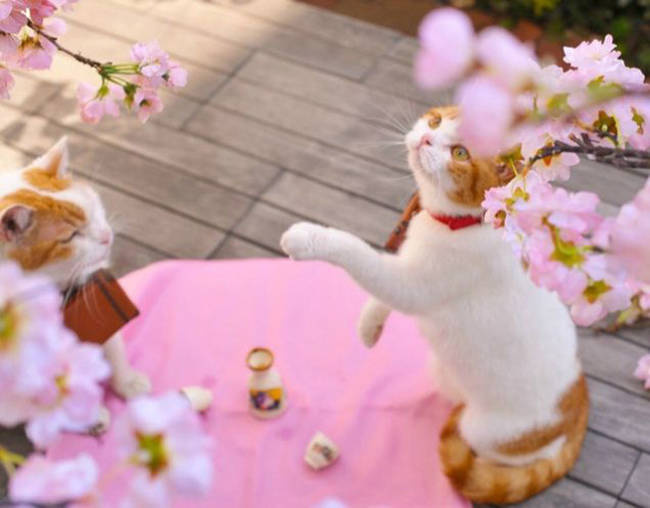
(152, 181)
(236, 248)
(265, 224)
(612, 185)
(332, 207)
(639, 334)
(158, 227)
(29, 94)
(405, 50)
(305, 156)
(619, 415)
(611, 359)
(332, 91)
(569, 494)
(315, 122)
(605, 463)
(638, 488)
(397, 78)
(133, 26)
(170, 147)
(318, 23)
(128, 256)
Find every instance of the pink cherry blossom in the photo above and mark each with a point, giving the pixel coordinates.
(94, 104)
(643, 370)
(505, 58)
(14, 22)
(594, 54)
(55, 27)
(641, 138)
(30, 324)
(6, 6)
(146, 103)
(176, 75)
(484, 103)
(605, 293)
(163, 438)
(8, 47)
(631, 235)
(153, 62)
(35, 53)
(72, 397)
(554, 167)
(447, 48)
(6, 82)
(40, 480)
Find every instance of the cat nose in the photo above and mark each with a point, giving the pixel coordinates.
(425, 140)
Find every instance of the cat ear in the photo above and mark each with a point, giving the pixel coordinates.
(14, 221)
(55, 160)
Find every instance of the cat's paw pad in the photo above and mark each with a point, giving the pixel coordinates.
(303, 240)
(369, 330)
(102, 423)
(131, 384)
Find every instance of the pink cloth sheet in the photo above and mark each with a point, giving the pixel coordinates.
(198, 321)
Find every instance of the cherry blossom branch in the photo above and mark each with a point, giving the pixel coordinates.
(77, 56)
(619, 157)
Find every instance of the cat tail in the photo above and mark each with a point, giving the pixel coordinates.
(483, 481)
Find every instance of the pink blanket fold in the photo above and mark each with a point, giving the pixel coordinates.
(198, 321)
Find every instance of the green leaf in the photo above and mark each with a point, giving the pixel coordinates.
(600, 91)
(558, 105)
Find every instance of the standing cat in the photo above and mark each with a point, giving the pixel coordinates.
(505, 350)
(56, 225)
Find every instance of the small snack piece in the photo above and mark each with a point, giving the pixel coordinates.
(321, 451)
(200, 398)
(267, 398)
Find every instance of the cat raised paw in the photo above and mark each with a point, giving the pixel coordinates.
(304, 240)
(130, 384)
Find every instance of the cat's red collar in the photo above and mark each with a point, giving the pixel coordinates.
(455, 222)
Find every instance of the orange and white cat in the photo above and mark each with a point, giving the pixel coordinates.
(54, 224)
(504, 349)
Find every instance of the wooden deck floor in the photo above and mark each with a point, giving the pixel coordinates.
(291, 113)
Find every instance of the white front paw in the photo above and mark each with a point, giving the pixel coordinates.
(130, 384)
(370, 328)
(304, 240)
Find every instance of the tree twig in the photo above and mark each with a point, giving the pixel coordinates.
(77, 56)
(619, 157)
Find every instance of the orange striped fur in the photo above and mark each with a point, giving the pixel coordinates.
(483, 481)
(473, 176)
(53, 222)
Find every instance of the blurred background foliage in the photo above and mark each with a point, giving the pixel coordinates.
(546, 24)
(627, 20)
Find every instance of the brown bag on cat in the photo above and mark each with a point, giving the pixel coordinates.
(98, 309)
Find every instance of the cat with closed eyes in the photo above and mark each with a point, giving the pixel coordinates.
(54, 224)
(504, 350)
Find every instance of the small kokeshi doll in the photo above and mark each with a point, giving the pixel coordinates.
(266, 393)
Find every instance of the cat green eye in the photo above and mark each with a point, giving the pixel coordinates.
(434, 120)
(459, 153)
